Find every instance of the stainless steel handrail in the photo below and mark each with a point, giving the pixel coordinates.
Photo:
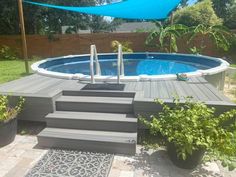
(98, 68)
(94, 56)
(120, 64)
(91, 64)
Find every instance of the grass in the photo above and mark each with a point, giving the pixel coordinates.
(233, 65)
(12, 70)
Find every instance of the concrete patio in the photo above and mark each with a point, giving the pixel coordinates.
(20, 156)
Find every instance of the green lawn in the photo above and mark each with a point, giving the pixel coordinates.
(233, 65)
(12, 69)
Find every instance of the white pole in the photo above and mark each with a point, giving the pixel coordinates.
(91, 64)
(98, 68)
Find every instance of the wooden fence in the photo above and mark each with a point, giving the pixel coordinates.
(69, 44)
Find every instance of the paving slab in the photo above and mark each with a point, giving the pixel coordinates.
(17, 158)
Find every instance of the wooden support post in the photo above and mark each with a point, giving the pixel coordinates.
(23, 37)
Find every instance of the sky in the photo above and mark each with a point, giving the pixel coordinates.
(192, 2)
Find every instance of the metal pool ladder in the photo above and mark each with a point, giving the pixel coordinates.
(94, 56)
(120, 64)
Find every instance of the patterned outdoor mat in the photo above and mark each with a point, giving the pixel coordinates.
(64, 163)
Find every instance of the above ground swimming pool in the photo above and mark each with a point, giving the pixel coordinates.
(137, 66)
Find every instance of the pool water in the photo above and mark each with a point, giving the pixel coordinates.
(132, 67)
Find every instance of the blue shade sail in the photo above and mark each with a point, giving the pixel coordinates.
(130, 9)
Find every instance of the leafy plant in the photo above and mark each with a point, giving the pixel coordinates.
(165, 38)
(125, 46)
(191, 126)
(219, 35)
(6, 112)
(200, 13)
(6, 53)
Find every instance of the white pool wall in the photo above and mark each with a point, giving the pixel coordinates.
(213, 75)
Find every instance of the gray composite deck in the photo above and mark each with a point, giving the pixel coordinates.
(41, 91)
(36, 84)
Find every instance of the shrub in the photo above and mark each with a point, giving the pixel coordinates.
(6, 53)
(192, 126)
(200, 13)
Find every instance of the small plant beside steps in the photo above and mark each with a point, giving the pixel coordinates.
(191, 129)
(8, 121)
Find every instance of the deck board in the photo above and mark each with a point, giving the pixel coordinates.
(199, 88)
(179, 90)
(153, 89)
(172, 90)
(164, 90)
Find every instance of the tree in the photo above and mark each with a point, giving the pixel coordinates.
(9, 17)
(42, 20)
(230, 19)
(184, 3)
(220, 7)
(225, 9)
(200, 13)
(99, 24)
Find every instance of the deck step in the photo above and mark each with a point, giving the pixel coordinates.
(87, 140)
(92, 121)
(98, 93)
(95, 104)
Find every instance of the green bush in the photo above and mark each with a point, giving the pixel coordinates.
(6, 112)
(6, 53)
(192, 126)
(200, 13)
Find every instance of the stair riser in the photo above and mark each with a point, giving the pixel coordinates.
(93, 146)
(99, 94)
(94, 107)
(92, 125)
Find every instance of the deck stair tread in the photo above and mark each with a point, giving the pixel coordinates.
(95, 104)
(92, 116)
(98, 93)
(93, 99)
(89, 135)
(92, 121)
